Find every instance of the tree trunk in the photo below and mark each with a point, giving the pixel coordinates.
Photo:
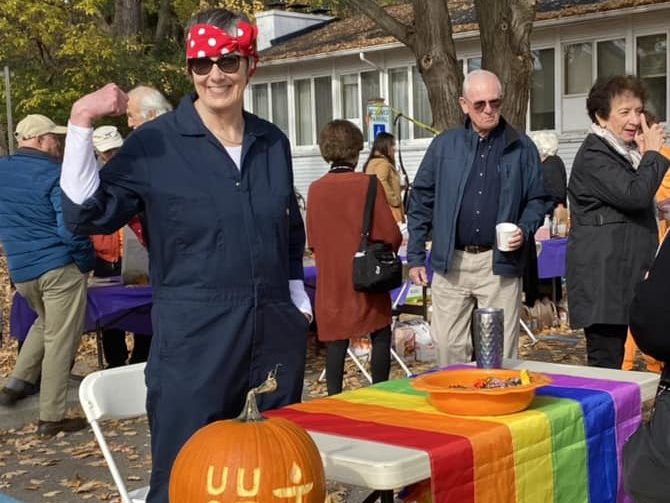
(505, 27)
(164, 17)
(4, 150)
(430, 39)
(435, 53)
(127, 18)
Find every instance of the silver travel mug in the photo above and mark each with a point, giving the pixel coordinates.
(489, 332)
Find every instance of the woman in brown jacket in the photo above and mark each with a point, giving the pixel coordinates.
(335, 206)
(382, 163)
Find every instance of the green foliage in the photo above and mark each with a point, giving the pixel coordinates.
(62, 50)
(59, 50)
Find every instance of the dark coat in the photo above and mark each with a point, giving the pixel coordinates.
(649, 313)
(555, 179)
(614, 233)
(224, 245)
(32, 230)
(439, 185)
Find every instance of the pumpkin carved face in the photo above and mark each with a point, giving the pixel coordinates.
(248, 460)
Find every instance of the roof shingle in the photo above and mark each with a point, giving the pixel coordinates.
(358, 31)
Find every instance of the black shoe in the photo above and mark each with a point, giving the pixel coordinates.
(67, 425)
(9, 396)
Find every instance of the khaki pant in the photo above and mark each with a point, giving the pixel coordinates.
(471, 280)
(59, 299)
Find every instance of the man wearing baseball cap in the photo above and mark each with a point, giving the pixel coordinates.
(106, 141)
(48, 265)
(39, 132)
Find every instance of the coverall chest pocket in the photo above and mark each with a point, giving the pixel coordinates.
(194, 225)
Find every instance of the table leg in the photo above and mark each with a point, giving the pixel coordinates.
(385, 496)
(98, 345)
(424, 302)
(381, 496)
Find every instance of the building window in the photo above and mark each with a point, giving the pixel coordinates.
(652, 68)
(584, 62)
(398, 94)
(578, 67)
(422, 111)
(303, 111)
(474, 64)
(270, 102)
(611, 57)
(542, 87)
(323, 103)
(261, 100)
(350, 106)
(279, 97)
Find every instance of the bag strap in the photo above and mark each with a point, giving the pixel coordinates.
(367, 213)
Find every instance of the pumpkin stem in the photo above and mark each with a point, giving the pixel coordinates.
(250, 412)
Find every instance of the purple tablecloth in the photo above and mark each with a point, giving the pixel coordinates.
(116, 306)
(398, 295)
(551, 261)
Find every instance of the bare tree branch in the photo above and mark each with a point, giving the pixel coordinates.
(388, 23)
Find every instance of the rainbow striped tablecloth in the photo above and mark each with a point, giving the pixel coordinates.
(566, 448)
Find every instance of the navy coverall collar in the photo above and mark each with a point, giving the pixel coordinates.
(189, 122)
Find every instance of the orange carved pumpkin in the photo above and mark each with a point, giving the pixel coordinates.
(250, 459)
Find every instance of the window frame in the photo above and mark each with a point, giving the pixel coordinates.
(594, 41)
(558, 64)
(651, 32)
(268, 87)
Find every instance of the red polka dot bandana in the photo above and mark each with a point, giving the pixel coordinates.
(209, 41)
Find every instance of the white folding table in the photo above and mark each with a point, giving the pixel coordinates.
(383, 467)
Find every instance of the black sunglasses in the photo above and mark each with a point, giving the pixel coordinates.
(479, 106)
(227, 64)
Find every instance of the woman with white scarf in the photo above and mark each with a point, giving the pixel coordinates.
(614, 235)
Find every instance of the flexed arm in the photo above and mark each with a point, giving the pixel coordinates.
(95, 204)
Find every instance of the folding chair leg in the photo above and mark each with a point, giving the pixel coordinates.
(529, 332)
(322, 375)
(360, 366)
(401, 362)
(107, 454)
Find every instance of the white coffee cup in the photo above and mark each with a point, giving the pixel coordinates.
(504, 232)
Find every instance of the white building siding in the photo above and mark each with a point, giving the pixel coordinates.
(570, 118)
(307, 166)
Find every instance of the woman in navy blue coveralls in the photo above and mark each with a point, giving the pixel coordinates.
(227, 239)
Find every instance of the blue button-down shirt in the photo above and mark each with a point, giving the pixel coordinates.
(479, 208)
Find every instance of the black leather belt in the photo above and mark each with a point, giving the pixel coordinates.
(474, 248)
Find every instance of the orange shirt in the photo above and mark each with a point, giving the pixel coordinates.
(663, 192)
(108, 247)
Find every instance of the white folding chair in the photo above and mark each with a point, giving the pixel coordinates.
(118, 393)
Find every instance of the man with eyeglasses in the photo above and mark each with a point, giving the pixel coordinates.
(471, 179)
(48, 265)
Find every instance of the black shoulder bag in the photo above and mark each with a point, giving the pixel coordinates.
(377, 268)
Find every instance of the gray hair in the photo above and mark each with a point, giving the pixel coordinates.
(225, 19)
(546, 142)
(150, 100)
(477, 74)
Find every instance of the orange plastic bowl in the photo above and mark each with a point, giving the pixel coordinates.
(471, 401)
